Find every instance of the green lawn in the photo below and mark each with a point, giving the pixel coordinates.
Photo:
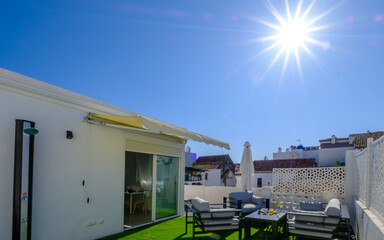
(175, 229)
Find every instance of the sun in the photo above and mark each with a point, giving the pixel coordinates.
(293, 34)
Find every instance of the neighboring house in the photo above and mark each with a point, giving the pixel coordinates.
(263, 169)
(297, 152)
(360, 139)
(220, 170)
(91, 163)
(331, 151)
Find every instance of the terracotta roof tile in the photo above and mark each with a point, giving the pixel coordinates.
(223, 162)
(361, 138)
(269, 165)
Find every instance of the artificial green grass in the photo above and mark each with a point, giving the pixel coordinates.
(175, 229)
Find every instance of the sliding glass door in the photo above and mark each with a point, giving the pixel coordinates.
(167, 182)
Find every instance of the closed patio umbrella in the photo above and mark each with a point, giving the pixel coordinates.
(246, 168)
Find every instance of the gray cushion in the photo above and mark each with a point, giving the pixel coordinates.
(200, 204)
(317, 219)
(311, 206)
(205, 215)
(245, 197)
(217, 214)
(333, 208)
(221, 221)
(258, 200)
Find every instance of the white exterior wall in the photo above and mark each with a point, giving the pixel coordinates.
(96, 154)
(265, 178)
(297, 153)
(329, 156)
(311, 154)
(231, 180)
(214, 178)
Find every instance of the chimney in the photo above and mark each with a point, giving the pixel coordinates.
(279, 150)
(287, 150)
(333, 141)
(188, 149)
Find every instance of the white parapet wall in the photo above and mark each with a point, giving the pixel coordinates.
(213, 194)
(366, 191)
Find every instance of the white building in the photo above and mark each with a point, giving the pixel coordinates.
(219, 170)
(297, 152)
(88, 169)
(333, 150)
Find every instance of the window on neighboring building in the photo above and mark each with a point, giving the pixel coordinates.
(259, 182)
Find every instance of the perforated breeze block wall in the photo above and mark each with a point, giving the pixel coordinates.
(293, 185)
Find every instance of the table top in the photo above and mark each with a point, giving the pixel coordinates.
(267, 217)
(133, 193)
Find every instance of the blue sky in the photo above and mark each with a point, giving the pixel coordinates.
(191, 63)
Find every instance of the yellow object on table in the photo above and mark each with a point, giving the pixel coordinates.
(271, 211)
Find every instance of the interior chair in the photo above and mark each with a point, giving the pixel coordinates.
(146, 202)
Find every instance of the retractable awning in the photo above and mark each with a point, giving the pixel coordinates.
(159, 127)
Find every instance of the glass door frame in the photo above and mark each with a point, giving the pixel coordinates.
(154, 184)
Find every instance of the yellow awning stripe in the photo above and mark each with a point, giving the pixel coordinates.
(158, 127)
(127, 121)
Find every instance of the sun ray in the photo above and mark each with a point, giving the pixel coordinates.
(323, 14)
(298, 9)
(308, 9)
(268, 49)
(315, 29)
(314, 41)
(272, 63)
(275, 13)
(298, 63)
(268, 24)
(285, 62)
(289, 17)
(313, 56)
(265, 39)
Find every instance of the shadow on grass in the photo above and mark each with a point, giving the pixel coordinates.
(175, 229)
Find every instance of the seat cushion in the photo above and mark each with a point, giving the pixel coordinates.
(217, 214)
(311, 206)
(200, 204)
(245, 197)
(316, 219)
(213, 222)
(333, 208)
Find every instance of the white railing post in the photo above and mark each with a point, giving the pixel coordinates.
(368, 174)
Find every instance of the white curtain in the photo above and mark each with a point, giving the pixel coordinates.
(144, 171)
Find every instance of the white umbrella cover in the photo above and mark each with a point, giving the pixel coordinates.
(246, 168)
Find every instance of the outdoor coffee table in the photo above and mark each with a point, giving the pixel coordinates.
(256, 217)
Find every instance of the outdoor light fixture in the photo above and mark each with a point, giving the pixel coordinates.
(30, 131)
